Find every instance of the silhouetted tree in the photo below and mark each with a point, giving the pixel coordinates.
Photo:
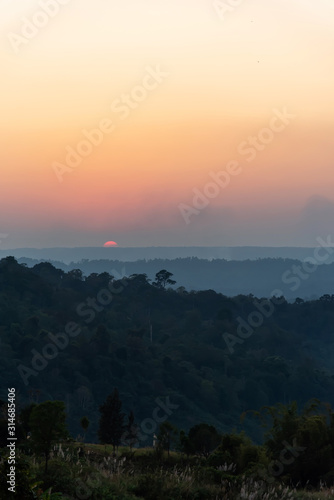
(162, 278)
(24, 418)
(111, 427)
(204, 439)
(48, 427)
(166, 436)
(184, 444)
(84, 422)
(302, 439)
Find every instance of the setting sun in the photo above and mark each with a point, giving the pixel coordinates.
(110, 244)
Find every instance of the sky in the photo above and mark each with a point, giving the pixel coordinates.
(154, 123)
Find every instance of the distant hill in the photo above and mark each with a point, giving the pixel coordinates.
(67, 255)
(258, 277)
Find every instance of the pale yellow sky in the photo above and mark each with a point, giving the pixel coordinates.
(221, 80)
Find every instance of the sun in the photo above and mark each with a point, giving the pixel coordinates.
(110, 244)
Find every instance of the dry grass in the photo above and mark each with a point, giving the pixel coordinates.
(144, 478)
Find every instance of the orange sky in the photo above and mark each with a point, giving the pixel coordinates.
(181, 91)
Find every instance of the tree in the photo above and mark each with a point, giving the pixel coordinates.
(301, 441)
(299, 301)
(139, 280)
(236, 450)
(75, 274)
(111, 427)
(49, 273)
(167, 435)
(24, 418)
(101, 340)
(84, 422)
(73, 279)
(162, 278)
(316, 451)
(48, 427)
(130, 436)
(184, 444)
(204, 439)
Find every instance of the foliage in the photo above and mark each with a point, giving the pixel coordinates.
(163, 278)
(289, 357)
(24, 418)
(84, 422)
(167, 436)
(111, 427)
(23, 478)
(130, 435)
(300, 443)
(47, 423)
(203, 439)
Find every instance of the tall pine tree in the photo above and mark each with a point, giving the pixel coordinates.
(111, 426)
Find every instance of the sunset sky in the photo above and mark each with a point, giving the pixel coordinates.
(180, 90)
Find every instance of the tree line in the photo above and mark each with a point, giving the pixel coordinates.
(298, 446)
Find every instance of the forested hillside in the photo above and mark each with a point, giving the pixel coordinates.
(307, 279)
(65, 337)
